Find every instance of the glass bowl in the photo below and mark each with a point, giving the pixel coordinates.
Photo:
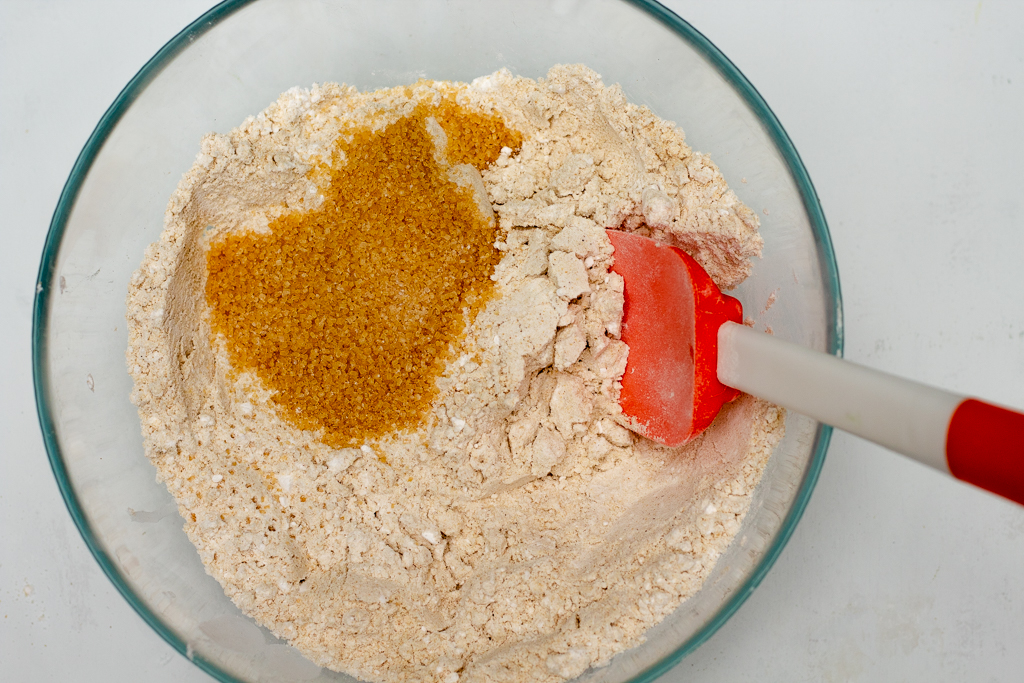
(234, 61)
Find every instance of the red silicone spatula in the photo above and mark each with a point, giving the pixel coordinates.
(689, 355)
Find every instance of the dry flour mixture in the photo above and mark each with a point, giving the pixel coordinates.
(376, 361)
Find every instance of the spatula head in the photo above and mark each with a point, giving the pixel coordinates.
(670, 322)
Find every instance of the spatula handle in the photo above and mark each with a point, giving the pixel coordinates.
(972, 440)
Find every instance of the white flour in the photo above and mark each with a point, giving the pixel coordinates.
(522, 533)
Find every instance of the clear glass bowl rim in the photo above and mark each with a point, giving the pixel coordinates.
(45, 277)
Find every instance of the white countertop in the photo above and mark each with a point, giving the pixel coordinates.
(908, 116)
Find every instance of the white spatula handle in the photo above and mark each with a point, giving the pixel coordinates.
(970, 439)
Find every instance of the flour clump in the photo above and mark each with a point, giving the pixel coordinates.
(383, 381)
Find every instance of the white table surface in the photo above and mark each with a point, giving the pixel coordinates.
(909, 118)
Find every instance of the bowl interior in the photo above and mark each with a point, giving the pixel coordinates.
(232, 63)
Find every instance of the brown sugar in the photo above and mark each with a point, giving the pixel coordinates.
(473, 138)
(348, 312)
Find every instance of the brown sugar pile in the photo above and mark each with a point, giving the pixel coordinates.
(348, 311)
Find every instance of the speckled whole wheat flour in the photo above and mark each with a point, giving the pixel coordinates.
(521, 533)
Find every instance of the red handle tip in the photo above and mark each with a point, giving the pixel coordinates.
(985, 447)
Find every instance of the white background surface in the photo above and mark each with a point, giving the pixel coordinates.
(910, 119)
